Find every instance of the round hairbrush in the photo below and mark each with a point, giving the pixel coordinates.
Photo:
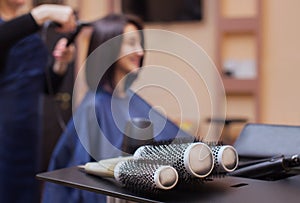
(146, 175)
(191, 160)
(225, 158)
(139, 175)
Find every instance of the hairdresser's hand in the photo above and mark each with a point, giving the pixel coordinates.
(63, 15)
(63, 56)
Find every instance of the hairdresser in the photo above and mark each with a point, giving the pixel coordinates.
(23, 63)
(14, 28)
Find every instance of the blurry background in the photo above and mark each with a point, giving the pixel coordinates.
(253, 43)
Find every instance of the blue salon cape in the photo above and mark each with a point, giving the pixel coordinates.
(21, 87)
(83, 138)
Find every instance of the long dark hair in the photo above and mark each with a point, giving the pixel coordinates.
(105, 29)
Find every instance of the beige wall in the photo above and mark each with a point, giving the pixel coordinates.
(281, 62)
(279, 80)
(202, 33)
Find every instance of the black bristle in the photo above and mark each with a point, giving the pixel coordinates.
(172, 154)
(138, 176)
(171, 141)
(218, 170)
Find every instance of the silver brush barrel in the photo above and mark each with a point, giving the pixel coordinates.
(189, 159)
(145, 175)
(225, 158)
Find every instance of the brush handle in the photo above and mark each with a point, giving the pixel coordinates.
(95, 168)
(105, 167)
(112, 162)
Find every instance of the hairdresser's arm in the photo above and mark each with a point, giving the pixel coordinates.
(63, 55)
(14, 30)
(20, 27)
(60, 14)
